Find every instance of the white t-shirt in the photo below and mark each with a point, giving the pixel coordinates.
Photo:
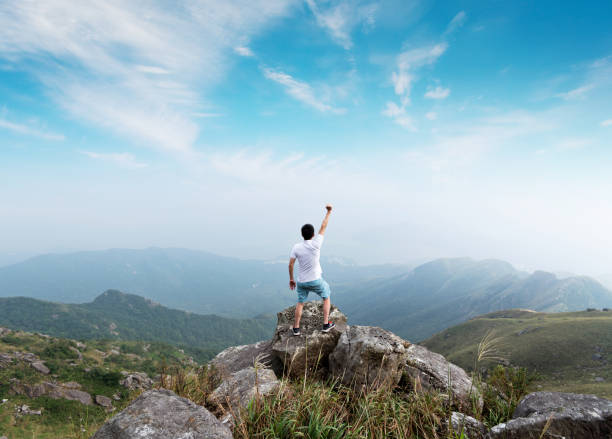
(307, 254)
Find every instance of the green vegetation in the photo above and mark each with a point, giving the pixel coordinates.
(313, 409)
(569, 352)
(119, 316)
(97, 373)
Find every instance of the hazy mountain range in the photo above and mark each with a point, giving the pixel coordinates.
(445, 292)
(191, 280)
(414, 303)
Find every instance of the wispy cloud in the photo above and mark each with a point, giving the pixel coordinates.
(140, 74)
(399, 115)
(339, 18)
(432, 115)
(122, 159)
(408, 63)
(606, 123)
(437, 93)
(577, 93)
(244, 51)
(300, 90)
(28, 130)
(457, 21)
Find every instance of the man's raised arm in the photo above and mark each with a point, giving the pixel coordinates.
(325, 220)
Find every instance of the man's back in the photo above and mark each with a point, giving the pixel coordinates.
(308, 254)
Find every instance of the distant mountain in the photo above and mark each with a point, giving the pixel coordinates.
(185, 279)
(115, 315)
(445, 292)
(571, 352)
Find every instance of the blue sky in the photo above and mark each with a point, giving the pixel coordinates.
(437, 129)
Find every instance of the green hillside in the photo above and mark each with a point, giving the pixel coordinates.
(446, 292)
(96, 368)
(569, 351)
(115, 315)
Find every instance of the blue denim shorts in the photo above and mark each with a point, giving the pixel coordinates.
(318, 286)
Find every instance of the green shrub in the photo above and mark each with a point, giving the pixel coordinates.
(505, 388)
(60, 350)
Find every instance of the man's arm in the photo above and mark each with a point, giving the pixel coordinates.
(325, 220)
(291, 281)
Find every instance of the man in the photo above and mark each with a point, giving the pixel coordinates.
(307, 254)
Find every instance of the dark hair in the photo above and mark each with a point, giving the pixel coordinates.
(307, 231)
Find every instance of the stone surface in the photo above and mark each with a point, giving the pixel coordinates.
(39, 366)
(4, 331)
(470, 427)
(311, 349)
(368, 357)
(52, 390)
(242, 386)
(136, 380)
(427, 370)
(104, 401)
(237, 358)
(160, 414)
(572, 415)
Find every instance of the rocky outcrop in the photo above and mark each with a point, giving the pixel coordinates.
(427, 370)
(309, 351)
(236, 358)
(161, 414)
(68, 391)
(104, 401)
(467, 426)
(555, 415)
(40, 367)
(241, 387)
(367, 357)
(136, 380)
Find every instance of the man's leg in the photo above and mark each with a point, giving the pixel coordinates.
(298, 314)
(326, 307)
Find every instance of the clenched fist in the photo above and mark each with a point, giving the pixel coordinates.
(329, 207)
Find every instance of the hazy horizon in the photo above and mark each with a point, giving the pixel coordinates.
(436, 129)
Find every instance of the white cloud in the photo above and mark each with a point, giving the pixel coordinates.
(408, 63)
(606, 123)
(123, 159)
(29, 130)
(457, 21)
(437, 93)
(399, 115)
(340, 17)
(244, 51)
(577, 93)
(432, 115)
(137, 72)
(300, 90)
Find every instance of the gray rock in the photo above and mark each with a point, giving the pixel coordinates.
(161, 414)
(26, 410)
(242, 386)
(470, 427)
(136, 380)
(236, 358)
(310, 350)
(52, 390)
(104, 401)
(428, 371)
(571, 415)
(4, 331)
(39, 366)
(368, 357)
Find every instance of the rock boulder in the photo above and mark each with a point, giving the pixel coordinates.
(571, 415)
(236, 358)
(427, 370)
(161, 414)
(241, 387)
(368, 357)
(311, 349)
